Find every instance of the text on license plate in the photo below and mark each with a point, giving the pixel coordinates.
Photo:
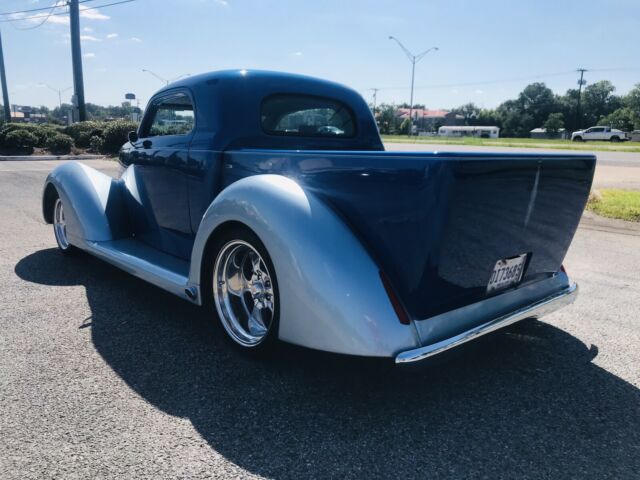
(507, 272)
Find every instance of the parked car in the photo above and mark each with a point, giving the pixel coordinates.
(599, 133)
(327, 241)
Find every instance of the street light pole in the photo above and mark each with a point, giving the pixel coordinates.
(164, 80)
(3, 81)
(413, 59)
(58, 91)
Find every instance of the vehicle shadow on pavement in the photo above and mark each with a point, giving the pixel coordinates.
(525, 403)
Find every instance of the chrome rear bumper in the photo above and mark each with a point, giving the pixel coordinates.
(535, 310)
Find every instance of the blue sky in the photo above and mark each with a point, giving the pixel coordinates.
(489, 50)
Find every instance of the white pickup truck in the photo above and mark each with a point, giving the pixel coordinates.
(599, 133)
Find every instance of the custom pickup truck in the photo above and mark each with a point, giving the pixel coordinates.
(269, 199)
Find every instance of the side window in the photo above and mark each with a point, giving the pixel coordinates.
(306, 116)
(173, 115)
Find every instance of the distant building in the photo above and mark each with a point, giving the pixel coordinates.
(541, 133)
(430, 120)
(469, 131)
(25, 114)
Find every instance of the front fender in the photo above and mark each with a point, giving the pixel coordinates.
(92, 201)
(331, 295)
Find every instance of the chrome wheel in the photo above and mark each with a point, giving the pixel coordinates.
(243, 293)
(60, 226)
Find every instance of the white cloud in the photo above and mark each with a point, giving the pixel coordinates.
(112, 35)
(136, 39)
(100, 70)
(296, 54)
(89, 38)
(479, 92)
(222, 3)
(57, 19)
(89, 55)
(87, 29)
(92, 14)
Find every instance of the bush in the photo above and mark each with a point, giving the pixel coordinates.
(82, 132)
(116, 135)
(20, 140)
(43, 134)
(96, 143)
(60, 144)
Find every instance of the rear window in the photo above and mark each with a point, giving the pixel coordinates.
(306, 116)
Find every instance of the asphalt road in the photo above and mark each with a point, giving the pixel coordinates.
(104, 376)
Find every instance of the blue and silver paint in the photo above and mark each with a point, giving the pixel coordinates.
(333, 213)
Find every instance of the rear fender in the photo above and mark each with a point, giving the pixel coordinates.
(331, 295)
(93, 203)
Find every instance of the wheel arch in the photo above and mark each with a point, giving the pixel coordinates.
(49, 196)
(93, 202)
(332, 297)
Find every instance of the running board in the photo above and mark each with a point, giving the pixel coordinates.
(149, 264)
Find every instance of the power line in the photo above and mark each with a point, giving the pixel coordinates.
(40, 8)
(65, 13)
(504, 80)
(44, 20)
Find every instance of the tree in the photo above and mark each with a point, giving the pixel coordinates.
(553, 124)
(622, 119)
(599, 101)
(470, 112)
(405, 126)
(538, 101)
(387, 119)
(632, 100)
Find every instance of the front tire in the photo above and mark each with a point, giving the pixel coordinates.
(244, 290)
(577, 139)
(60, 229)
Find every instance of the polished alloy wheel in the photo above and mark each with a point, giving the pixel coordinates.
(60, 226)
(243, 293)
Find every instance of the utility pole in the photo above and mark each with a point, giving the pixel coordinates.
(580, 83)
(3, 80)
(76, 54)
(375, 96)
(413, 59)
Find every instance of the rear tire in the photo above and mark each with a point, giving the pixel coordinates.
(242, 288)
(615, 139)
(60, 229)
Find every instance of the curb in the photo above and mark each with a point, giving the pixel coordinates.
(50, 157)
(591, 221)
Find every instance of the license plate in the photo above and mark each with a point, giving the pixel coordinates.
(507, 272)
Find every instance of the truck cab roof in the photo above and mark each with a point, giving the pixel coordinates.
(237, 109)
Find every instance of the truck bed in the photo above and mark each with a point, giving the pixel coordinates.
(436, 223)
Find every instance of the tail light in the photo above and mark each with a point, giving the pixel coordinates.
(395, 301)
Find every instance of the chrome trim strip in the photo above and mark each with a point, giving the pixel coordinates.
(538, 309)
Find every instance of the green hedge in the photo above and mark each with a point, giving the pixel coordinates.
(20, 141)
(82, 132)
(99, 137)
(60, 144)
(116, 135)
